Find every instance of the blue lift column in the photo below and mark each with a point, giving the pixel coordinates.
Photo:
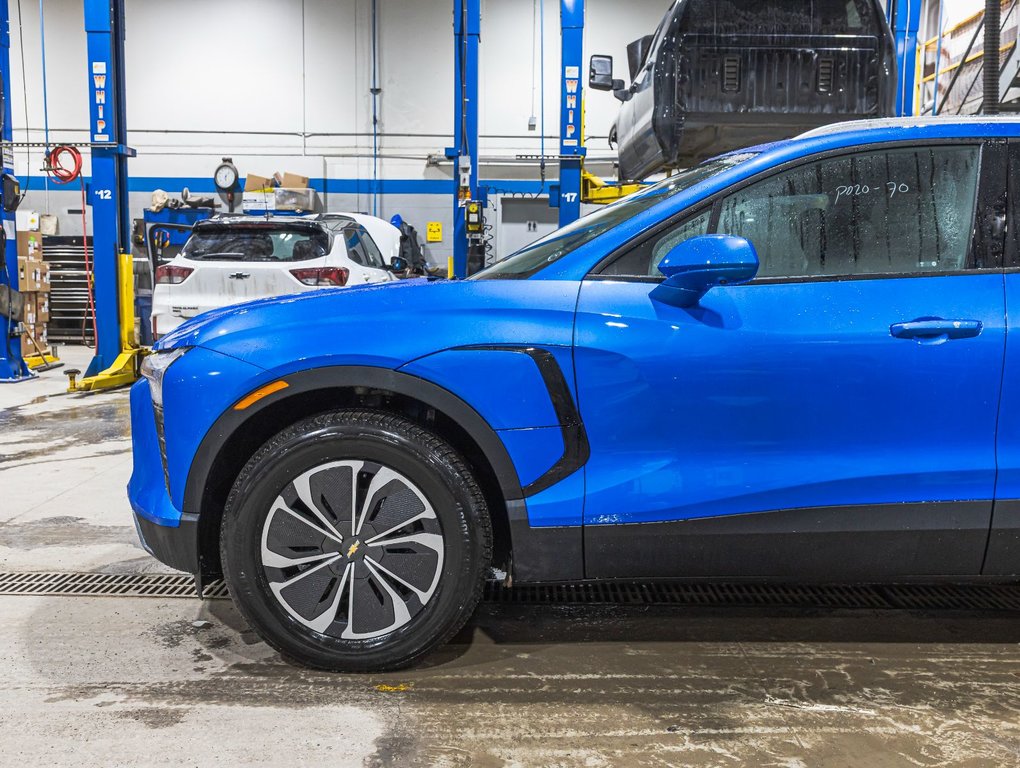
(906, 21)
(107, 193)
(12, 367)
(571, 109)
(467, 22)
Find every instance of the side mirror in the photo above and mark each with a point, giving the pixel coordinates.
(398, 264)
(621, 91)
(600, 73)
(700, 263)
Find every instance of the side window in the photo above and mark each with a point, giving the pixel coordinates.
(375, 258)
(643, 260)
(355, 246)
(893, 211)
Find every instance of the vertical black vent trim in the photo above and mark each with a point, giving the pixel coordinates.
(575, 440)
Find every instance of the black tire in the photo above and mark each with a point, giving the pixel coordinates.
(325, 460)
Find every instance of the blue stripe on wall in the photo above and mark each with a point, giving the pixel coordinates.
(204, 185)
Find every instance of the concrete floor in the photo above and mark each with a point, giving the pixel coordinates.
(132, 681)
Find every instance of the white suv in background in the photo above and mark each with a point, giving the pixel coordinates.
(232, 259)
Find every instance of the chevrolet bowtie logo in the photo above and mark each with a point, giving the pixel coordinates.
(353, 548)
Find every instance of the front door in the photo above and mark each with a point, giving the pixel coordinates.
(833, 419)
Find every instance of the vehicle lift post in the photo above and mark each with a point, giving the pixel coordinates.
(572, 149)
(12, 366)
(467, 21)
(905, 19)
(118, 357)
(576, 185)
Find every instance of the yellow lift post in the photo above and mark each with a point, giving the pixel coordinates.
(126, 367)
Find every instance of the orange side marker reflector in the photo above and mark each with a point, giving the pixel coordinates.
(258, 394)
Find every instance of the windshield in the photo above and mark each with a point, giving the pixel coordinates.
(532, 258)
(263, 244)
(780, 17)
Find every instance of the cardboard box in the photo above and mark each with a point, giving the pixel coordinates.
(294, 181)
(39, 305)
(30, 245)
(33, 276)
(35, 331)
(253, 183)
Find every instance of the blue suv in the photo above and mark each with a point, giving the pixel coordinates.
(787, 363)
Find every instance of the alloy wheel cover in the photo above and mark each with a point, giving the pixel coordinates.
(352, 549)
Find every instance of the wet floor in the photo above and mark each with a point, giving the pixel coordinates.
(129, 681)
(182, 682)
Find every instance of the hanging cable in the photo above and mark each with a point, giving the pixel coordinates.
(465, 148)
(46, 108)
(534, 44)
(24, 88)
(375, 113)
(65, 173)
(541, 80)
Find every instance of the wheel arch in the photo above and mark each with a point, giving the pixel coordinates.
(237, 435)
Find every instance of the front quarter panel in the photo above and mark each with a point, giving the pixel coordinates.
(197, 388)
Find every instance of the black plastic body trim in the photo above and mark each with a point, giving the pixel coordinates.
(1012, 255)
(343, 377)
(176, 547)
(575, 440)
(846, 543)
(544, 554)
(1003, 556)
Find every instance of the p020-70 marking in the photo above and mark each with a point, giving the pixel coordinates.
(892, 189)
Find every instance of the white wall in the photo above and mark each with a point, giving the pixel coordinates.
(293, 92)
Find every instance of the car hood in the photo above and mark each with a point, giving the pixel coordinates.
(384, 325)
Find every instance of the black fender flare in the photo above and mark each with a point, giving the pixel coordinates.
(349, 377)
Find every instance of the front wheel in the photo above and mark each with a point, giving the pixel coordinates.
(356, 541)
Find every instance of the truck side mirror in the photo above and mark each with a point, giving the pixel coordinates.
(600, 73)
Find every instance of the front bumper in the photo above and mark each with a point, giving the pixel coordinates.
(197, 389)
(165, 532)
(176, 547)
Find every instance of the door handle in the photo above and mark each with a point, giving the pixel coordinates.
(934, 327)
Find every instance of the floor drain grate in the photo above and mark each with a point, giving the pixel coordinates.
(105, 585)
(940, 597)
(911, 597)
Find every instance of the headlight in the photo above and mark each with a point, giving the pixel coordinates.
(154, 367)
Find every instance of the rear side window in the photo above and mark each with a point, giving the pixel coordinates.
(892, 211)
(361, 247)
(249, 244)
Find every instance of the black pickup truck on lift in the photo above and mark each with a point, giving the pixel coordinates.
(718, 75)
